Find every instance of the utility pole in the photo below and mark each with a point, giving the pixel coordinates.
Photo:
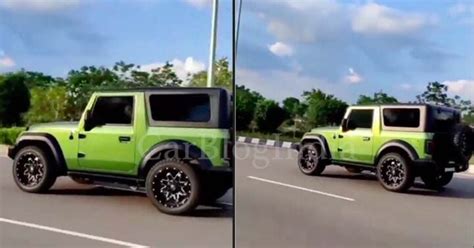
(212, 49)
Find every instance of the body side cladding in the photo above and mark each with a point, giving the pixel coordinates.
(190, 151)
(324, 144)
(50, 141)
(398, 144)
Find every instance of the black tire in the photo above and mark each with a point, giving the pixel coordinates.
(395, 173)
(436, 181)
(163, 182)
(309, 159)
(463, 142)
(34, 170)
(211, 195)
(353, 169)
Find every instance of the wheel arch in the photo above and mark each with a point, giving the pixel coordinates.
(319, 139)
(173, 148)
(398, 146)
(44, 141)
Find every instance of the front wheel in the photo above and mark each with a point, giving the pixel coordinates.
(437, 181)
(33, 170)
(309, 159)
(395, 173)
(173, 187)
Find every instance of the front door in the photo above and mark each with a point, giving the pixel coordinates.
(356, 144)
(110, 145)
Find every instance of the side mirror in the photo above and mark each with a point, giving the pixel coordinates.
(344, 125)
(351, 125)
(88, 121)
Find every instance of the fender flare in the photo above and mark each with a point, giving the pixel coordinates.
(50, 142)
(191, 151)
(322, 140)
(413, 155)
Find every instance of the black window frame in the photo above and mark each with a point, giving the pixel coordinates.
(132, 119)
(371, 121)
(218, 100)
(401, 109)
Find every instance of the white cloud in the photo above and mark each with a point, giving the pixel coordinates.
(38, 5)
(406, 86)
(462, 87)
(181, 68)
(199, 3)
(353, 77)
(6, 61)
(281, 49)
(373, 18)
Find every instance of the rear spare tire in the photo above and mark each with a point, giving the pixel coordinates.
(463, 143)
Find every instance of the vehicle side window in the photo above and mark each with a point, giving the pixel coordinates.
(361, 118)
(401, 117)
(113, 110)
(180, 107)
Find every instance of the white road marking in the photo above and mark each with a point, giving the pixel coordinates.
(301, 188)
(72, 233)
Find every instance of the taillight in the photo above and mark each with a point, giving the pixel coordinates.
(429, 147)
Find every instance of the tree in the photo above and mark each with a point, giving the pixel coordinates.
(323, 109)
(53, 109)
(378, 98)
(223, 76)
(14, 99)
(269, 116)
(436, 93)
(246, 102)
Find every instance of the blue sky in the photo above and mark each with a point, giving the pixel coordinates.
(56, 36)
(348, 48)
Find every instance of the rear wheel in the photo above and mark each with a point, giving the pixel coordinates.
(394, 172)
(33, 170)
(309, 159)
(436, 181)
(173, 187)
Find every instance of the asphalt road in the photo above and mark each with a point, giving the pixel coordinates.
(73, 215)
(278, 206)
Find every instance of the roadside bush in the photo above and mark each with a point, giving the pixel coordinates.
(14, 99)
(8, 135)
(269, 116)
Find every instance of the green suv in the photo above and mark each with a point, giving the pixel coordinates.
(398, 142)
(173, 144)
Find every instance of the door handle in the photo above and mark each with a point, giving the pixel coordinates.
(81, 136)
(340, 136)
(366, 138)
(124, 138)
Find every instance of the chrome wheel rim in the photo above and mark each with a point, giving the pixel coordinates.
(171, 187)
(392, 172)
(308, 159)
(29, 169)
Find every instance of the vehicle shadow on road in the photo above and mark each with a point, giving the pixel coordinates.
(94, 191)
(214, 210)
(364, 176)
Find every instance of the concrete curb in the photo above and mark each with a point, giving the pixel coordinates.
(265, 142)
(3, 150)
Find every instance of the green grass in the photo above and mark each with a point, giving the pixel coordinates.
(8, 135)
(276, 136)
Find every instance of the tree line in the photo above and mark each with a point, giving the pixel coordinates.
(317, 108)
(28, 97)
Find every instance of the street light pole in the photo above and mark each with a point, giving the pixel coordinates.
(212, 49)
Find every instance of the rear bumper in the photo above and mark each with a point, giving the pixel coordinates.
(423, 166)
